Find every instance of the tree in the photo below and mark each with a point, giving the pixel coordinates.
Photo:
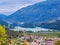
(3, 34)
(57, 43)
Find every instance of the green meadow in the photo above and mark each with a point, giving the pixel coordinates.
(46, 34)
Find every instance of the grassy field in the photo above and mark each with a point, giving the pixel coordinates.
(46, 34)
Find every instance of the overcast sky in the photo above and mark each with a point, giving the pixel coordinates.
(8, 7)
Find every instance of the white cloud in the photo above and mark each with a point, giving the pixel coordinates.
(9, 6)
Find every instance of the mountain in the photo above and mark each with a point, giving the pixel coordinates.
(39, 12)
(2, 22)
(43, 14)
(52, 24)
(2, 16)
(2, 19)
(53, 0)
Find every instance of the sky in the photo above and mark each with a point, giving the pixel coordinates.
(8, 7)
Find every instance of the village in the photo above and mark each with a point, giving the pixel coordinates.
(33, 39)
(26, 39)
(23, 37)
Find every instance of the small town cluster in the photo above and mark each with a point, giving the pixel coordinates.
(34, 40)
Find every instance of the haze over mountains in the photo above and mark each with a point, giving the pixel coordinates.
(43, 14)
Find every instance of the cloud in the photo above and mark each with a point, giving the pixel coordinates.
(9, 6)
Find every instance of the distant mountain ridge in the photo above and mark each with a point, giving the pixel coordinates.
(2, 19)
(44, 14)
(2, 16)
(2, 22)
(52, 24)
(39, 12)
